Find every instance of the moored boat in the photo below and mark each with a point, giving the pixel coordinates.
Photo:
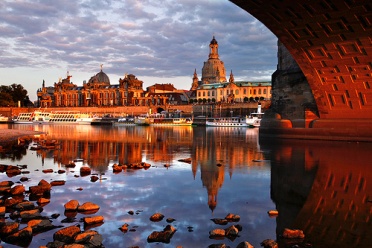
(124, 121)
(227, 122)
(254, 119)
(4, 119)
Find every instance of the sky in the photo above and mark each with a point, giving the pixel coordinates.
(159, 42)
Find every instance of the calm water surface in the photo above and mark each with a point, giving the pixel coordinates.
(323, 188)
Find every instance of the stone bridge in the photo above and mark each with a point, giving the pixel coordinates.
(325, 92)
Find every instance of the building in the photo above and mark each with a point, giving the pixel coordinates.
(98, 91)
(213, 86)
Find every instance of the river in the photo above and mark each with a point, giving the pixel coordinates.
(322, 188)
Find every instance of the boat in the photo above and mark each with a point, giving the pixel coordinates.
(170, 121)
(254, 119)
(227, 122)
(142, 120)
(31, 117)
(163, 119)
(4, 119)
(70, 117)
(124, 121)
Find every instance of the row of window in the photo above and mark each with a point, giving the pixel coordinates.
(228, 92)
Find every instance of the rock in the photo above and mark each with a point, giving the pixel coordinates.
(85, 171)
(88, 206)
(7, 228)
(23, 179)
(30, 214)
(93, 220)
(186, 160)
(39, 226)
(43, 201)
(21, 238)
(157, 217)
(26, 205)
(2, 211)
(116, 168)
(244, 244)
(57, 183)
(47, 171)
(55, 216)
(4, 190)
(273, 213)
(66, 234)
(269, 243)
(219, 221)
(293, 233)
(6, 184)
(41, 188)
(163, 236)
(124, 228)
(217, 233)
(10, 202)
(218, 246)
(232, 217)
(72, 205)
(84, 237)
(94, 178)
(145, 165)
(170, 220)
(12, 171)
(61, 171)
(17, 190)
(231, 231)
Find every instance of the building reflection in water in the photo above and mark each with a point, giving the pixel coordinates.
(213, 150)
(323, 188)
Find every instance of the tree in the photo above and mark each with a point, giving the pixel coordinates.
(10, 95)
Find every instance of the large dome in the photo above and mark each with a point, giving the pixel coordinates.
(102, 77)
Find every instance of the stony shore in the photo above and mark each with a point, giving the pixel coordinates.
(8, 135)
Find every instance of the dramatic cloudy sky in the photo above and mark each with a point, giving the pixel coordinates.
(158, 41)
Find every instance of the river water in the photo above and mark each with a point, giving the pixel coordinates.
(322, 188)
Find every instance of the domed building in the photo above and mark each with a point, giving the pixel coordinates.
(214, 69)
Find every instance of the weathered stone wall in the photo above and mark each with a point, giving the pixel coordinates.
(291, 94)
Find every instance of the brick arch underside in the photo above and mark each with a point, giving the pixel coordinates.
(331, 40)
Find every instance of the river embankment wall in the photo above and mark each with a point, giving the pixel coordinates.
(208, 110)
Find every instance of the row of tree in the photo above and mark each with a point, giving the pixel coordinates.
(12, 94)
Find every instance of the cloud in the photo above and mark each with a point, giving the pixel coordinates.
(152, 39)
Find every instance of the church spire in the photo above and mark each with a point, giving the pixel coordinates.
(213, 54)
(231, 79)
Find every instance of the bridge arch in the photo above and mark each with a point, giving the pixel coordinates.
(331, 42)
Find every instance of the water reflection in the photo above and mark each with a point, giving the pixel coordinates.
(186, 192)
(323, 188)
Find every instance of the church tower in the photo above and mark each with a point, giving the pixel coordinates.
(195, 81)
(214, 69)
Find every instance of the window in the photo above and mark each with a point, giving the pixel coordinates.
(236, 92)
(264, 91)
(259, 91)
(245, 91)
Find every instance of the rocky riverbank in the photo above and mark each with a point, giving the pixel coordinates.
(9, 135)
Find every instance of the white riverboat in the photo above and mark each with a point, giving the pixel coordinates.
(31, 117)
(254, 119)
(227, 122)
